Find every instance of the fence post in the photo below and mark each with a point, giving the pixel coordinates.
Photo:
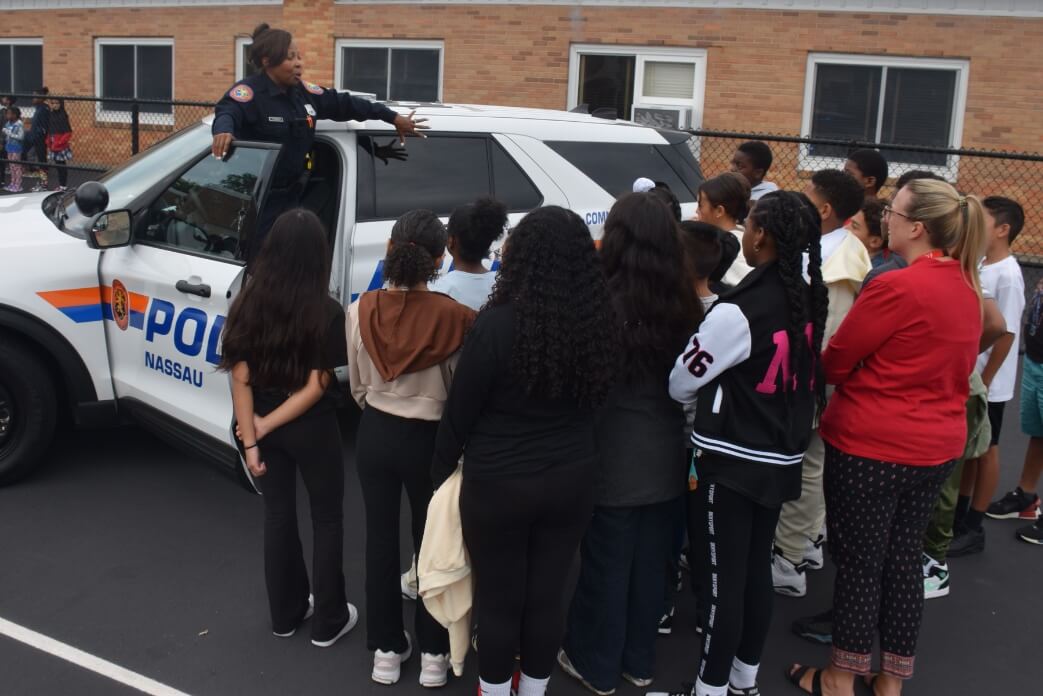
(135, 127)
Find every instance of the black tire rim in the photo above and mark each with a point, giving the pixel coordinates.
(7, 416)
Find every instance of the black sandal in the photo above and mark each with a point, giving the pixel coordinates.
(869, 681)
(795, 677)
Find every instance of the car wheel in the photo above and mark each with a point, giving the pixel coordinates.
(28, 411)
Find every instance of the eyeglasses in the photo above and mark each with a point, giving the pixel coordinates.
(888, 211)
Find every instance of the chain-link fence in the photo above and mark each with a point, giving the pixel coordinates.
(105, 131)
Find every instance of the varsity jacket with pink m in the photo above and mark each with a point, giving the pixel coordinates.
(750, 407)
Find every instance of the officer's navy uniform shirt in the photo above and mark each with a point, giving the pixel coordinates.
(258, 109)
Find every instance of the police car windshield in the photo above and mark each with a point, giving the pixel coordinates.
(129, 181)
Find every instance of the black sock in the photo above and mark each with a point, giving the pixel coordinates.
(973, 520)
(963, 504)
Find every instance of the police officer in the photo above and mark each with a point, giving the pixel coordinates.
(276, 105)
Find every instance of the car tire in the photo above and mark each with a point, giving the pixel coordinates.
(28, 410)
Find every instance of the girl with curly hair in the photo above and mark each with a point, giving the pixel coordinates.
(754, 366)
(403, 344)
(614, 616)
(283, 338)
(540, 358)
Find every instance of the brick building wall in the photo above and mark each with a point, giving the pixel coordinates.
(518, 54)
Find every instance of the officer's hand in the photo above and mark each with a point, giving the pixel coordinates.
(390, 152)
(409, 125)
(222, 144)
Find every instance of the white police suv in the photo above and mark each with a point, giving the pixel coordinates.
(112, 298)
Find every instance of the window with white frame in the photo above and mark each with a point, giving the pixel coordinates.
(392, 70)
(21, 65)
(134, 69)
(653, 85)
(243, 67)
(909, 101)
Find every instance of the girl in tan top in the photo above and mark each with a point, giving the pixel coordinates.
(402, 347)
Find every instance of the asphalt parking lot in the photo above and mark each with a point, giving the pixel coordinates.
(139, 555)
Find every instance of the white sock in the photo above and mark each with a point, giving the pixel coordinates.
(704, 689)
(495, 689)
(743, 676)
(531, 686)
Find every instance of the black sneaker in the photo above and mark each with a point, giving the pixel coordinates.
(1015, 505)
(685, 690)
(968, 542)
(1033, 533)
(817, 629)
(666, 623)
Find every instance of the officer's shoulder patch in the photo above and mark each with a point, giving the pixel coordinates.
(241, 93)
(312, 87)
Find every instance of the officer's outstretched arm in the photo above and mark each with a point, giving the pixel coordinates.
(229, 115)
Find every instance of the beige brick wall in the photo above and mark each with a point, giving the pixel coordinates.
(518, 55)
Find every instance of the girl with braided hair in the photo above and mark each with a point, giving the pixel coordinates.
(753, 364)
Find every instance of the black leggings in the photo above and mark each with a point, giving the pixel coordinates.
(311, 444)
(394, 453)
(522, 534)
(736, 548)
(877, 513)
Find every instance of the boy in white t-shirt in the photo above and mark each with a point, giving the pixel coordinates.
(753, 159)
(1001, 275)
(472, 230)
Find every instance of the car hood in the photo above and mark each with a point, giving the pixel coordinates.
(23, 223)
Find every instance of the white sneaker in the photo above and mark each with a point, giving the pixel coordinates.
(788, 579)
(813, 555)
(353, 618)
(434, 670)
(387, 666)
(935, 578)
(307, 615)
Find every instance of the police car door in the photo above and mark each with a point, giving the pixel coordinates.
(168, 292)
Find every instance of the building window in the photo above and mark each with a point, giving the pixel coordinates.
(21, 65)
(391, 70)
(243, 67)
(135, 69)
(651, 85)
(884, 100)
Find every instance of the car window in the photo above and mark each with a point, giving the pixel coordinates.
(439, 173)
(510, 183)
(615, 166)
(209, 209)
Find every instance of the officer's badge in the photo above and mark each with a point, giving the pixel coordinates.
(241, 93)
(310, 109)
(120, 305)
(313, 88)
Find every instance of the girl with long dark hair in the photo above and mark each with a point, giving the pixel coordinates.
(753, 364)
(402, 349)
(283, 337)
(540, 358)
(614, 617)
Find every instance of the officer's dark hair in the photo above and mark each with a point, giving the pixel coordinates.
(703, 248)
(417, 241)
(41, 92)
(663, 193)
(273, 44)
(913, 175)
(476, 226)
(841, 190)
(1006, 211)
(759, 154)
(278, 322)
(871, 163)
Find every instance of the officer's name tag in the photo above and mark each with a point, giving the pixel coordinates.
(310, 109)
(276, 119)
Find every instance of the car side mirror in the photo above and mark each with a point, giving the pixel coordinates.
(110, 230)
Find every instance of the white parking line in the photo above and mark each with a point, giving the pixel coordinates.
(86, 660)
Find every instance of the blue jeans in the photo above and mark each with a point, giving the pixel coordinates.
(614, 616)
